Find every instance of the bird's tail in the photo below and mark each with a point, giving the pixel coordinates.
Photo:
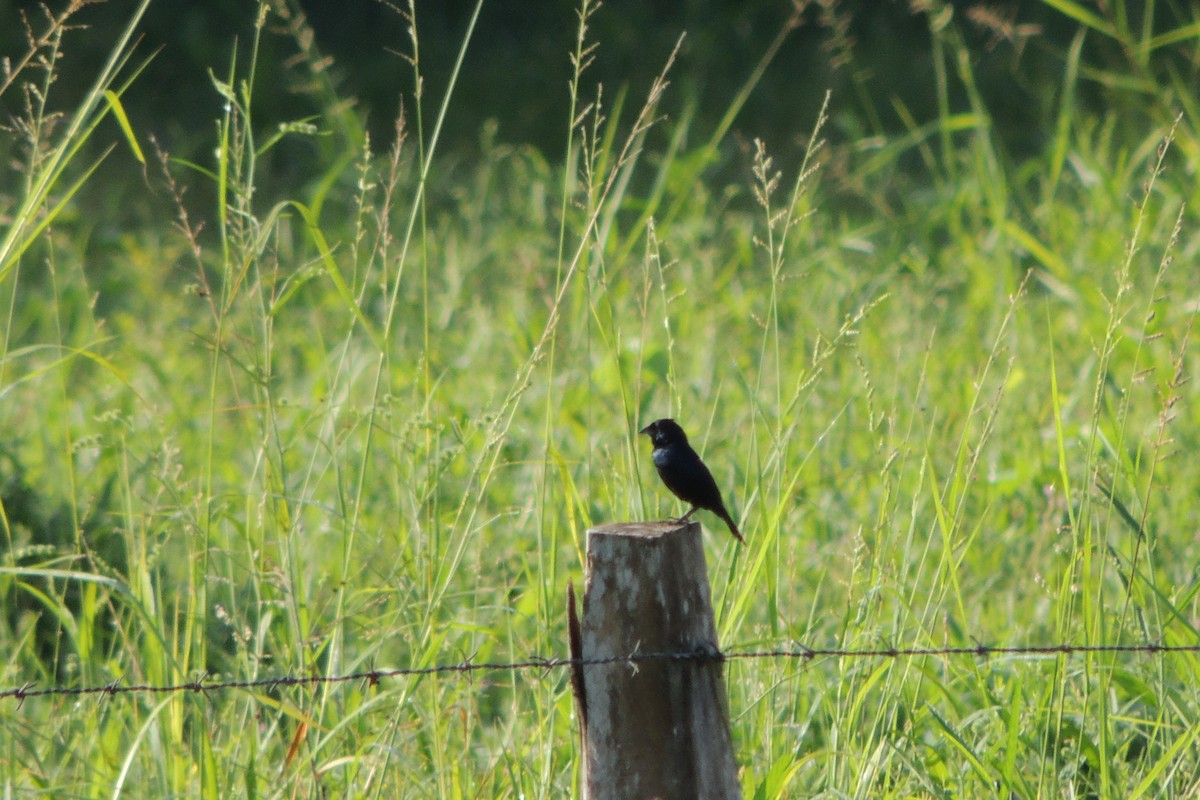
(733, 528)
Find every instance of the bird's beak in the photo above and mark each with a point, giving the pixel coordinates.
(646, 429)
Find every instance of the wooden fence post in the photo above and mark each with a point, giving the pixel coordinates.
(652, 728)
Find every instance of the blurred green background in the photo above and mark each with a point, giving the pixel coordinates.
(875, 57)
(278, 401)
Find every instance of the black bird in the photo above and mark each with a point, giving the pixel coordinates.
(684, 473)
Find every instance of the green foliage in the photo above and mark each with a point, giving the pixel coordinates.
(365, 424)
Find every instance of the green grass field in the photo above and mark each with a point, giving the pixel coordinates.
(366, 425)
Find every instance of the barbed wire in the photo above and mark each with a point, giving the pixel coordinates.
(797, 653)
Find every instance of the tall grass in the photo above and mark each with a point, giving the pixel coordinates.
(367, 425)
